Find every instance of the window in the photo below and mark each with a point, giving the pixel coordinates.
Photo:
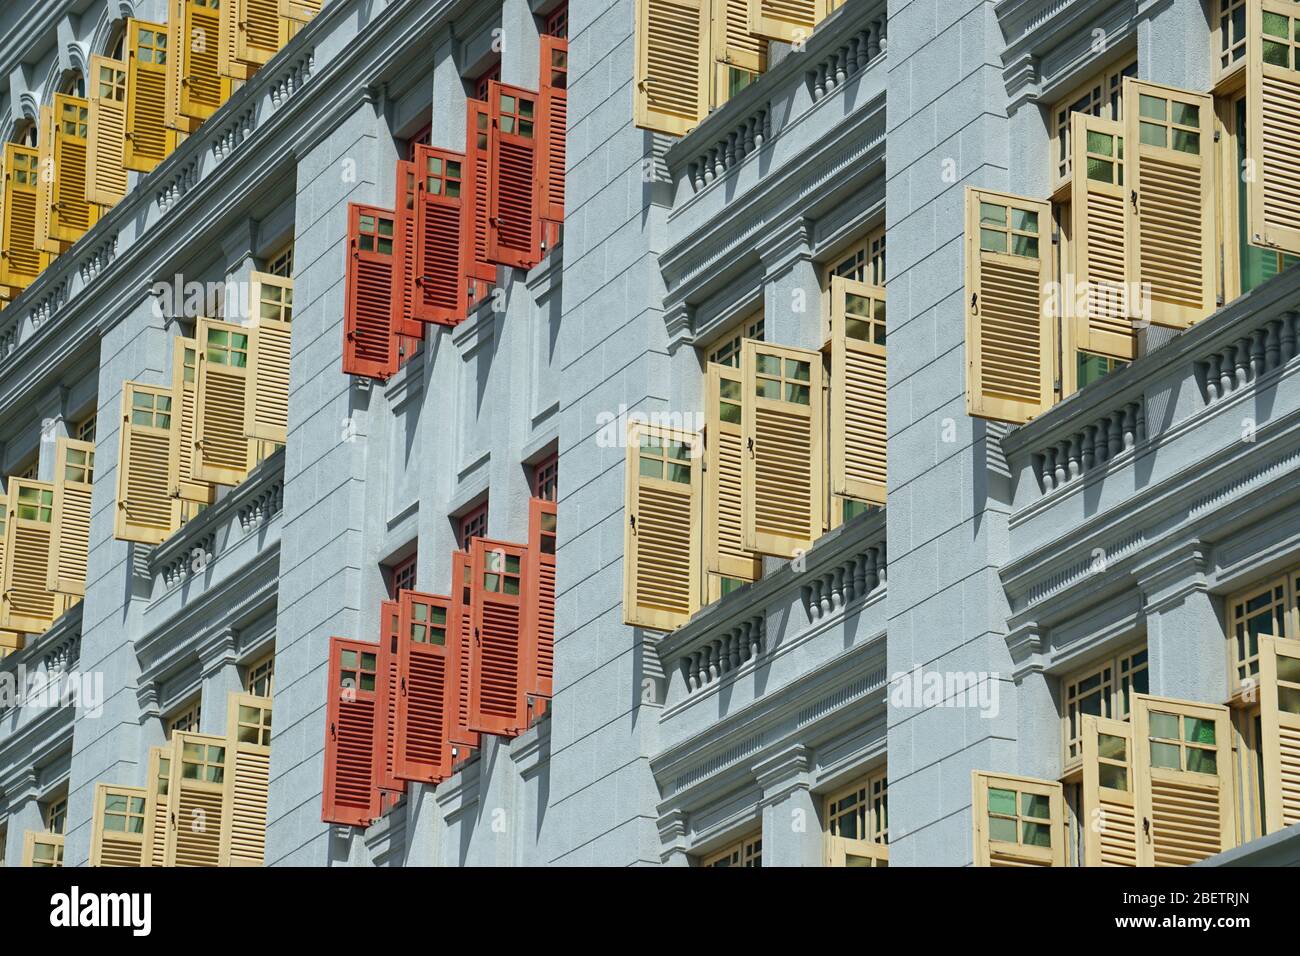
(84, 430)
(727, 350)
(1270, 608)
(1255, 265)
(29, 470)
(746, 852)
(186, 718)
(56, 815)
(1100, 96)
(546, 478)
(402, 576)
(1183, 742)
(357, 670)
(421, 137)
(862, 262)
(1091, 368)
(857, 823)
(203, 763)
(253, 725)
(35, 504)
(490, 75)
(151, 410)
(557, 22)
(1230, 34)
(259, 677)
(123, 813)
(473, 525)
(502, 573)
(280, 262)
(1020, 818)
(1101, 690)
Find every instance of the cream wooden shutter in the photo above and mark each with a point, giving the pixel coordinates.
(1279, 696)
(782, 455)
(248, 779)
(1109, 818)
(197, 793)
(42, 849)
(185, 381)
(1018, 821)
(271, 308)
(1010, 335)
(223, 450)
(157, 809)
(789, 21)
(857, 397)
(150, 136)
(724, 490)
(1183, 762)
(70, 213)
(671, 67)
(117, 827)
(661, 544)
(1169, 178)
(257, 25)
(203, 87)
(27, 604)
(74, 477)
(1273, 124)
(733, 44)
(228, 62)
(1097, 294)
(106, 86)
(177, 67)
(146, 510)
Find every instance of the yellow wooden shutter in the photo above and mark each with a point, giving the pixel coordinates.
(117, 827)
(1018, 821)
(74, 477)
(46, 180)
(248, 780)
(672, 64)
(1273, 124)
(185, 372)
(157, 805)
(1183, 762)
(203, 88)
(223, 451)
(22, 257)
(1279, 696)
(661, 544)
(177, 65)
(1010, 334)
(42, 849)
(228, 62)
(106, 183)
(27, 604)
(1109, 817)
(1097, 295)
(150, 135)
(789, 21)
(303, 10)
(1169, 178)
(146, 510)
(782, 457)
(858, 426)
(71, 214)
(271, 308)
(257, 25)
(724, 511)
(197, 790)
(733, 44)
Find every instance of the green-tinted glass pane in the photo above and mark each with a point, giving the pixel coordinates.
(767, 388)
(1111, 747)
(1165, 756)
(1153, 107)
(115, 803)
(1002, 829)
(385, 227)
(367, 682)
(1202, 761)
(1026, 246)
(1151, 134)
(1035, 805)
(679, 473)
(993, 241)
(1186, 114)
(1002, 801)
(1275, 25)
(1109, 775)
(1101, 170)
(1037, 834)
(1198, 731)
(1288, 700)
(114, 824)
(1103, 144)
(796, 370)
(992, 215)
(1164, 725)
(1185, 141)
(651, 467)
(1022, 220)
(768, 364)
(729, 413)
(796, 394)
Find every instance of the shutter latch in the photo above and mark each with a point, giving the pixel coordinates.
(632, 521)
(1146, 828)
(333, 732)
(403, 686)
(749, 445)
(1133, 198)
(974, 302)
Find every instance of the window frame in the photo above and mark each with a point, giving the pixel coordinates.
(54, 814)
(472, 524)
(725, 348)
(1288, 582)
(745, 852)
(1105, 89)
(260, 668)
(1120, 665)
(872, 815)
(184, 718)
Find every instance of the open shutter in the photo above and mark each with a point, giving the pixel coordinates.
(782, 458)
(185, 379)
(422, 752)
(157, 805)
(1273, 124)
(513, 238)
(117, 826)
(789, 21)
(74, 478)
(1010, 340)
(197, 790)
(303, 10)
(271, 307)
(661, 543)
(475, 204)
(228, 62)
(1018, 821)
(149, 136)
(146, 510)
(351, 796)
(106, 183)
(248, 780)
(857, 401)
(257, 24)
(1183, 762)
(27, 604)
(42, 849)
(539, 601)
(1109, 817)
(22, 257)
(1169, 176)
(176, 59)
(554, 105)
(47, 181)
(223, 453)
(1279, 695)
(462, 652)
(733, 43)
(1097, 296)
(724, 488)
(387, 691)
(202, 86)
(405, 324)
(497, 680)
(369, 345)
(671, 67)
(439, 282)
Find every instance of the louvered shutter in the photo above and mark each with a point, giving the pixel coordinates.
(1169, 176)
(369, 345)
(228, 62)
(405, 324)
(858, 426)
(248, 780)
(27, 604)
(146, 510)
(1279, 695)
(462, 652)
(1010, 339)
(203, 87)
(351, 796)
(1109, 817)
(271, 308)
(74, 477)
(724, 488)
(386, 695)
(185, 378)
(117, 826)
(22, 257)
(149, 136)
(422, 751)
(257, 24)
(1183, 761)
(661, 543)
(177, 58)
(1273, 124)
(200, 764)
(497, 680)
(475, 203)
(781, 464)
(671, 68)
(47, 181)
(554, 105)
(1018, 821)
(539, 600)
(106, 183)
(157, 805)
(439, 282)
(223, 453)
(788, 21)
(513, 237)
(303, 10)
(733, 43)
(42, 849)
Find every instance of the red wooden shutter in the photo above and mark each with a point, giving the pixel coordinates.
(350, 796)
(404, 320)
(496, 667)
(386, 722)
(423, 752)
(480, 273)
(512, 223)
(539, 599)
(553, 124)
(440, 176)
(369, 346)
(462, 625)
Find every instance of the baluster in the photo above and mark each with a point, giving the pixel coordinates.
(1074, 466)
(1272, 345)
(863, 38)
(824, 586)
(882, 564)
(1089, 444)
(730, 152)
(841, 71)
(1212, 378)
(873, 39)
(1242, 362)
(749, 136)
(860, 576)
(1289, 335)
(734, 639)
(1256, 354)
(688, 675)
(1129, 426)
(1059, 464)
(1114, 435)
(1141, 413)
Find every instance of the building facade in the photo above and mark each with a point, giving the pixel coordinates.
(1003, 591)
